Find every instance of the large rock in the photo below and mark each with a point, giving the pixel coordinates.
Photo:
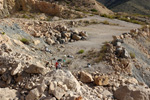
(7, 94)
(132, 93)
(60, 82)
(50, 41)
(101, 80)
(57, 89)
(85, 77)
(66, 78)
(36, 93)
(83, 34)
(16, 69)
(36, 69)
(76, 37)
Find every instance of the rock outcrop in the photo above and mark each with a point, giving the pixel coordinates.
(132, 93)
(7, 94)
(85, 77)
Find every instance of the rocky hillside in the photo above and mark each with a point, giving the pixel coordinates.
(30, 48)
(100, 58)
(63, 8)
(129, 6)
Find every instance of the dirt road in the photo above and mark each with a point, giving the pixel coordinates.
(98, 34)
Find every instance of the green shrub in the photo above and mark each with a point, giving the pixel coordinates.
(81, 51)
(3, 33)
(101, 54)
(108, 16)
(25, 41)
(93, 10)
(132, 55)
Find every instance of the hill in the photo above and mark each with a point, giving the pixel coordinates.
(62, 8)
(129, 6)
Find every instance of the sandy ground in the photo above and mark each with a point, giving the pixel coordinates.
(98, 34)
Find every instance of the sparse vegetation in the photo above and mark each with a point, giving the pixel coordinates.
(106, 22)
(93, 10)
(108, 16)
(132, 55)
(3, 33)
(124, 18)
(81, 51)
(131, 20)
(25, 41)
(101, 54)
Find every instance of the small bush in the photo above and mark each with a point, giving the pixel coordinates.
(81, 51)
(3, 33)
(108, 16)
(25, 41)
(93, 10)
(132, 55)
(106, 22)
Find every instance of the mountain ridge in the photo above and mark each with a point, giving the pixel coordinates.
(128, 6)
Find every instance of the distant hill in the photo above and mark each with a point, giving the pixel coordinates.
(51, 7)
(129, 6)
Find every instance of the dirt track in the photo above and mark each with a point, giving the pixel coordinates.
(98, 34)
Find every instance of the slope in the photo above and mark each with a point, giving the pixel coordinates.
(129, 6)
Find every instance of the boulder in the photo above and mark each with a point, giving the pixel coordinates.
(85, 77)
(83, 34)
(16, 69)
(36, 69)
(76, 37)
(58, 90)
(50, 41)
(7, 94)
(36, 42)
(36, 92)
(33, 95)
(101, 80)
(132, 92)
(60, 82)
(67, 35)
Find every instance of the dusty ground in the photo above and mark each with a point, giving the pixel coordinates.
(98, 34)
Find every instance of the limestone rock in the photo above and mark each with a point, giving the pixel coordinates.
(132, 93)
(50, 41)
(76, 37)
(83, 34)
(7, 94)
(67, 35)
(17, 69)
(33, 95)
(36, 42)
(63, 78)
(36, 93)
(131, 81)
(101, 80)
(85, 77)
(57, 90)
(36, 69)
